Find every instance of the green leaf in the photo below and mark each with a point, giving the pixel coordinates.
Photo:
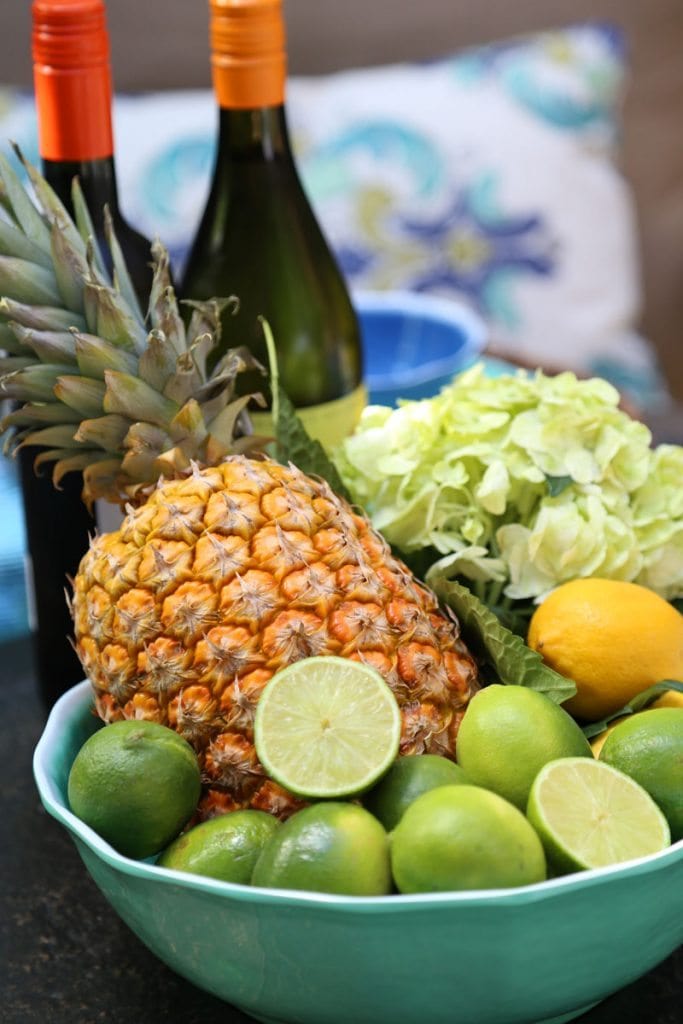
(557, 484)
(40, 318)
(94, 356)
(83, 394)
(131, 397)
(114, 320)
(86, 228)
(293, 441)
(27, 216)
(13, 242)
(512, 661)
(157, 362)
(33, 414)
(33, 383)
(70, 266)
(642, 700)
(61, 435)
(122, 278)
(28, 283)
(47, 346)
(295, 445)
(106, 431)
(10, 342)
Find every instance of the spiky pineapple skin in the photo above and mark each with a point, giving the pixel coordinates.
(226, 576)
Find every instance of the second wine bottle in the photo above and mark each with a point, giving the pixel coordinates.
(259, 239)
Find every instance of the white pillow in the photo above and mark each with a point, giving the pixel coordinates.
(489, 176)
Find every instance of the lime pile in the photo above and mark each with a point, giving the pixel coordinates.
(527, 798)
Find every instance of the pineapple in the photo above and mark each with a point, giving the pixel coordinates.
(228, 565)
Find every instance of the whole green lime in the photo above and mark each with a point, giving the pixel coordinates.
(464, 837)
(136, 783)
(508, 733)
(407, 779)
(649, 747)
(226, 847)
(328, 847)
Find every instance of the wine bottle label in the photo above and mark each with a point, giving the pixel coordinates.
(328, 423)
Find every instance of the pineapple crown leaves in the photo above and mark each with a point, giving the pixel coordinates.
(103, 389)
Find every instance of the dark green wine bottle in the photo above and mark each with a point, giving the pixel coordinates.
(259, 240)
(73, 89)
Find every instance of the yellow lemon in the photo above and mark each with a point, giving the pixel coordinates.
(669, 699)
(614, 639)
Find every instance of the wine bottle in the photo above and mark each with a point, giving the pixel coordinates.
(73, 90)
(258, 238)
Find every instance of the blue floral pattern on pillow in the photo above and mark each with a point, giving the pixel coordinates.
(570, 78)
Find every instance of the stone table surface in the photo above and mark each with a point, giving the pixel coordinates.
(65, 958)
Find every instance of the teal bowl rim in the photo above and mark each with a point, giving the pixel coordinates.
(74, 700)
(434, 307)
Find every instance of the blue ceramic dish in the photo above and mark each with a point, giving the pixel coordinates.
(414, 344)
(541, 953)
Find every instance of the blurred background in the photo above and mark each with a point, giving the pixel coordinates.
(160, 44)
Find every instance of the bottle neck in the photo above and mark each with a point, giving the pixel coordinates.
(97, 179)
(259, 133)
(74, 114)
(72, 80)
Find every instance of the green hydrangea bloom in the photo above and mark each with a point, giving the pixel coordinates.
(523, 479)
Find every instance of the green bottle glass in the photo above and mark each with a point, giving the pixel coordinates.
(73, 90)
(259, 240)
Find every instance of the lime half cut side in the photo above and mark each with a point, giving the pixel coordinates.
(590, 818)
(327, 727)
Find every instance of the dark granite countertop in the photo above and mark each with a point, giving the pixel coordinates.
(65, 958)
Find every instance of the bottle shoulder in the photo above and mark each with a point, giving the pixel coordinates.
(259, 223)
(259, 240)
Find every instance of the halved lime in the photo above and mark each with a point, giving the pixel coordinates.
(327, 727)
(589, 815)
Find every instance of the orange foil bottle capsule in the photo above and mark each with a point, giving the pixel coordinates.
(72, 79)
(73, 89)
(259, 238)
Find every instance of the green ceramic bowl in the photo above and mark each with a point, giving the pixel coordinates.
(542, 953)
